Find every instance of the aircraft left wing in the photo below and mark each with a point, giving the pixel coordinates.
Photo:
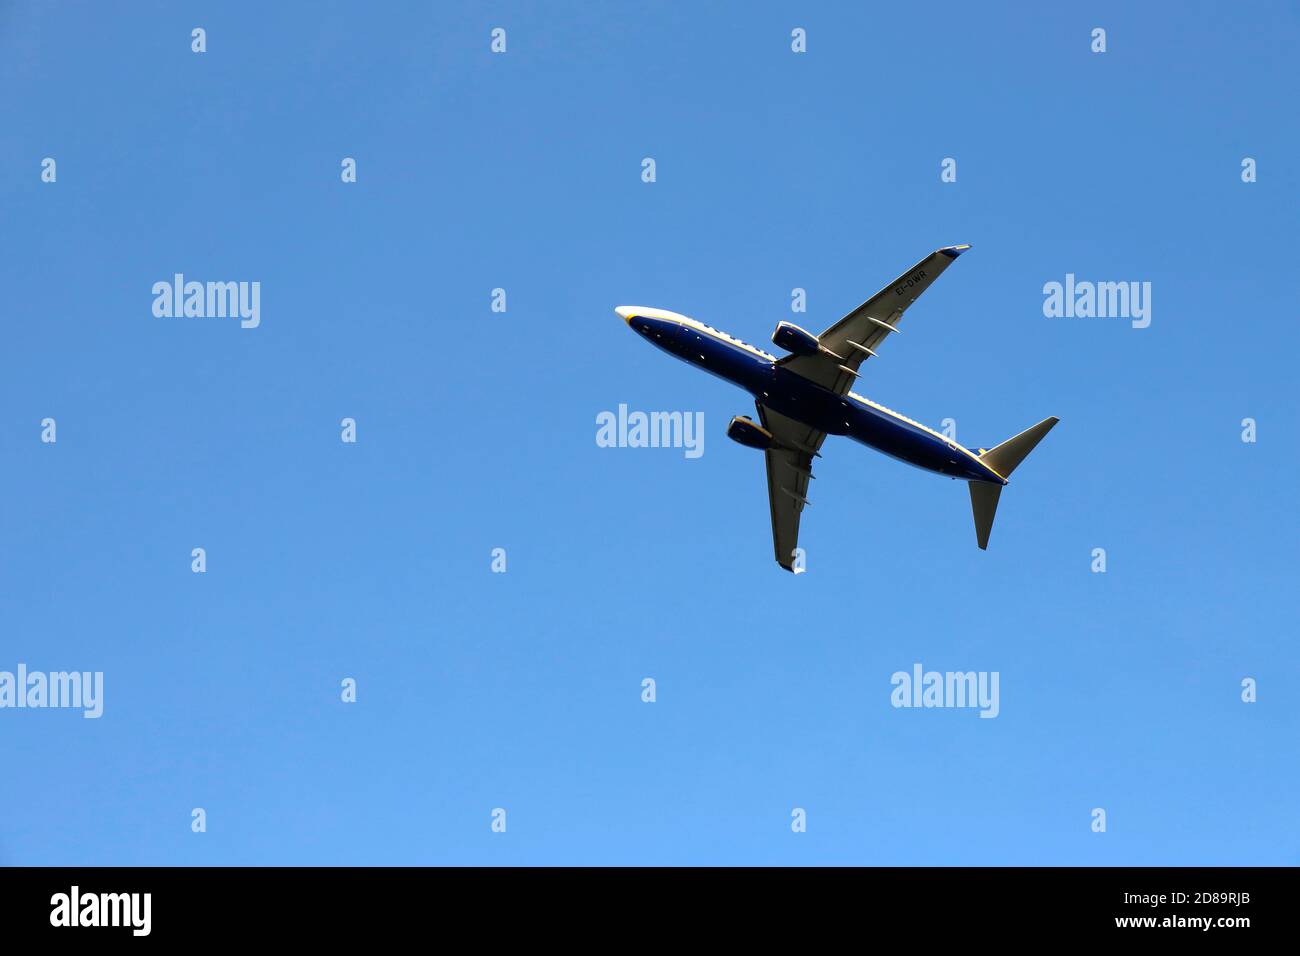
(789, 468)
(855, 337)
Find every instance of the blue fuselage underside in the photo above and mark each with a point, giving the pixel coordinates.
(805, 401)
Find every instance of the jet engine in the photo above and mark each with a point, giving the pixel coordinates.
(794, 339)
(749, 433)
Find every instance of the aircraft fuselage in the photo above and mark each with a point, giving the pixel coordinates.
(792, 395)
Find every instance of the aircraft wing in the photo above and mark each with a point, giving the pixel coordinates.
(856, 336)
(789, 468)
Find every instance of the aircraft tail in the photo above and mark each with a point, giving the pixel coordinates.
(1003, 459)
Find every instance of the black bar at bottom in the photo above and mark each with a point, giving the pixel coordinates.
(332, 905)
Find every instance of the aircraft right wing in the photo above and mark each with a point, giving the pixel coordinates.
(850, 340)
(789, 468)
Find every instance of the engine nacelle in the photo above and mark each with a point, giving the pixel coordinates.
(749, 433)
(795, 340)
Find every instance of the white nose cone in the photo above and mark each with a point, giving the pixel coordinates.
(645, 312)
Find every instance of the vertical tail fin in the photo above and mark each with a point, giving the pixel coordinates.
(1003, 459)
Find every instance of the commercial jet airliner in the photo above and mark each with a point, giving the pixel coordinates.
(805, 396)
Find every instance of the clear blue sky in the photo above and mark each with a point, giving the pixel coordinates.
(476, 430)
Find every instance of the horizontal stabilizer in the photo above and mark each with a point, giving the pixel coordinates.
(1003, 460)
(984, 504)
(1006, 457)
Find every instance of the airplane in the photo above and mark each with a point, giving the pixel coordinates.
(805, 396)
